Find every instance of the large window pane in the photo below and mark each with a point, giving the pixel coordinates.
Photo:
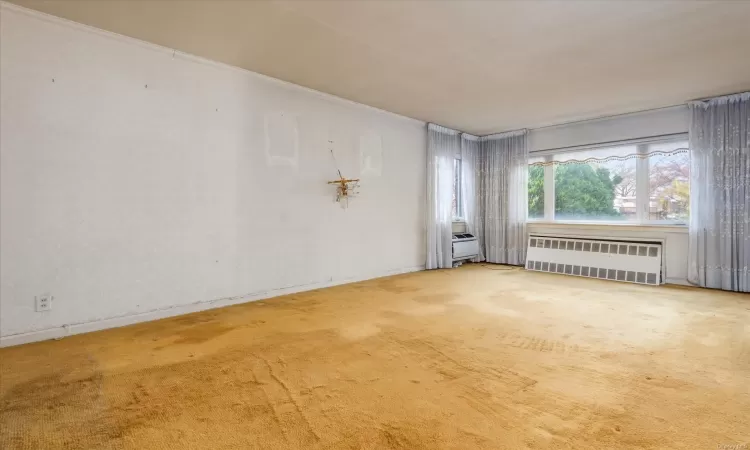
(669, 184)
(594, 185)
(536, 189)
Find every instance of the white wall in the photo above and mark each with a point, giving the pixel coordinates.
(136, 180)
(629, 126)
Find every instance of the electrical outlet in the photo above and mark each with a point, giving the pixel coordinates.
(43, 302)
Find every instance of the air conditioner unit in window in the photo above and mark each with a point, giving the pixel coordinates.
(465, 246)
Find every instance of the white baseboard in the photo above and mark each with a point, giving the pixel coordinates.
(680, 281)
(130, 319)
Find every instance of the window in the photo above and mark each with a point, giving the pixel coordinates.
(642, 182)
(590, 186)
(669, 184)
(536, 188)
(457, 206)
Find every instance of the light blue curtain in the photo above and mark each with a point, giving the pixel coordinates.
(503, 196)
(720, 193)
(443, 145)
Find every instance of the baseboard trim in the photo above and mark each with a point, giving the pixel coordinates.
(678, 281)
(130, 319)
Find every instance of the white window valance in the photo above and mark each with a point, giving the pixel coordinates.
(661, 146)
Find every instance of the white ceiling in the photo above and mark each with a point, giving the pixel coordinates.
(478, 66)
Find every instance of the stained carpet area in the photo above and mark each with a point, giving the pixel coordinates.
(466, 358)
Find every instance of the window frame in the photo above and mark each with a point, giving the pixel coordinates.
(642, 183)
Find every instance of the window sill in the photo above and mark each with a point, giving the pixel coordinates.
(667, 228)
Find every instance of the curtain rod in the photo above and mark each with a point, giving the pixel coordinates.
(644, 140)
(607, 117)
(637, 112)
(507, 134)
(720, 96)
(573, 122)
(443, 128)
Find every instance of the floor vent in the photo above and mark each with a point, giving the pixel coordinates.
(630, 262)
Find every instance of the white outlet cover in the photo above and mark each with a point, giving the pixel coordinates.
(43, 302)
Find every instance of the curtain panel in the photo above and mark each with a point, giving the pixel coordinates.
(503, 196)
(470, 148)
(719, 254)
(443, 145)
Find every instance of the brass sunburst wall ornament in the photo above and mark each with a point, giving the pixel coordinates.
(345, 187)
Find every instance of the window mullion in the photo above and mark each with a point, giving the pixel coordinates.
(549, 189)
(642, 193)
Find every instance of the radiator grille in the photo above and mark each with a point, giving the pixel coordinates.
(630, 262)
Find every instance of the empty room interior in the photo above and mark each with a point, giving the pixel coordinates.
(396, 224)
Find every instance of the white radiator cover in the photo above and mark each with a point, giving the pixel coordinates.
(632, 262)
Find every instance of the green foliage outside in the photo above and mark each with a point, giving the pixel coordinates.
(536, 191)
(581, 191)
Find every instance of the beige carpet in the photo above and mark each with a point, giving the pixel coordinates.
(468, 358)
